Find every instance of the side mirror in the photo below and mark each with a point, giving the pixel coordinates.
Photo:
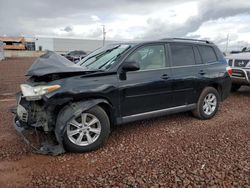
(130, 66)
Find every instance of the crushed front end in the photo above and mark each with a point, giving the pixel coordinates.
(40, 101)
(35, 121)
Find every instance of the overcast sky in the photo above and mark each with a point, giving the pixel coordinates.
(129, 19)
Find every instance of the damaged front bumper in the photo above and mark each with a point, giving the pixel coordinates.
(46, 146)
(32, 130)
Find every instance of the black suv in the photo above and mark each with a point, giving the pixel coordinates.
(117, 84)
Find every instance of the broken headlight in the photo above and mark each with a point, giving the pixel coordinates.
(35, 93)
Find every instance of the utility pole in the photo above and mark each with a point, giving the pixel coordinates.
(227, 43)
(104, 35)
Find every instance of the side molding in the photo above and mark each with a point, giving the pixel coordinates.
(156, 113)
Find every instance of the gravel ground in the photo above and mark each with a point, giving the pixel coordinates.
(172, 151)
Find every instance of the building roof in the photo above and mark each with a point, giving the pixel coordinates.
(12, 39)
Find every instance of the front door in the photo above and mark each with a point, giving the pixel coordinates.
(148, 89)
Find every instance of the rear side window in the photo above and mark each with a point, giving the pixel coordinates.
(182, 55)
(208, 55)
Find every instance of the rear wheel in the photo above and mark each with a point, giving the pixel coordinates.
(87, 131)
(235, 87)
(208, 104)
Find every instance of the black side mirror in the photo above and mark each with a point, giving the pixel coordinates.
(130, 66)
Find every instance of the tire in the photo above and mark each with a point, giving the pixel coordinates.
(102, 127)
(206, 94)
(235, 87)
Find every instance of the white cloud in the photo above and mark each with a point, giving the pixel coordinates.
(95, 18)
(217, 30)
(129, 19)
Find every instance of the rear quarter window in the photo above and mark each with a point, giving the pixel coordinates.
(208, 54)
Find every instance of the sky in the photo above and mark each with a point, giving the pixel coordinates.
(129, 19)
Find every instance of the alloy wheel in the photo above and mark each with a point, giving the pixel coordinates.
(84, 129)
(209, 104)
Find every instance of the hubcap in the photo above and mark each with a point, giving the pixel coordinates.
(84, 129)
(209, 104)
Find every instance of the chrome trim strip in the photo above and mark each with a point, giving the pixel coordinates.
(175, 67)
(196, 65)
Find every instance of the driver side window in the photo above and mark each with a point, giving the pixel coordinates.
(149, 57)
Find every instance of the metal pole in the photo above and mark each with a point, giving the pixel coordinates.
(104, 35)
(227, 43)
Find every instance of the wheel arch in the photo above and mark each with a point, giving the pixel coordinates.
(218, 87)
(69, 108)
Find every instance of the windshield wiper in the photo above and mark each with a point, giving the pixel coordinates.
(98, 54)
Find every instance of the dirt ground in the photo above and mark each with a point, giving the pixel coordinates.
(172, 151)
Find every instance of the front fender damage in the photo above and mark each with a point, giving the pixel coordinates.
(70, 110)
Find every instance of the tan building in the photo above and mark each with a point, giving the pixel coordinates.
(13, 43)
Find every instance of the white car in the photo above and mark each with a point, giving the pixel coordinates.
(240, 63)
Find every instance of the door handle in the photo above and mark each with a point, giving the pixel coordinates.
(165, 77)
(202, 72)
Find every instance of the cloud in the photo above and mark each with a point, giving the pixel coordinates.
(95, 18)
(68, 29)
(128, 19)
(207, 10)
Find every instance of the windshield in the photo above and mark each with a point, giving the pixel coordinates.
(103, 58)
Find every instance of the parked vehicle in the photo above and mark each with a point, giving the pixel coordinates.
(245, 49)
(75, 56)
(240, 64)
(117, 84)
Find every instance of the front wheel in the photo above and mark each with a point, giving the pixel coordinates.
(208, 104)
(87, 131)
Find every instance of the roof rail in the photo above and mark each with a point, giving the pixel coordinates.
(185, 39)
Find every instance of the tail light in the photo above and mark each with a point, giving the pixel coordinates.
(230, 71)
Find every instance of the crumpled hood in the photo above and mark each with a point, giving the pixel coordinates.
(50, 63)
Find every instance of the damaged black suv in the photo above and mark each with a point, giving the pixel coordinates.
(119, 83)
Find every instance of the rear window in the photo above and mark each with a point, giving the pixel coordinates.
(208, 55)
(182, 55)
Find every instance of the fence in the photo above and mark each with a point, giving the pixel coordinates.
(22, 53)
(1, 51)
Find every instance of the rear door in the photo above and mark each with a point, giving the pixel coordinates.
(150, 88)
(209, 59)
(211, 66)
(185, 73)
